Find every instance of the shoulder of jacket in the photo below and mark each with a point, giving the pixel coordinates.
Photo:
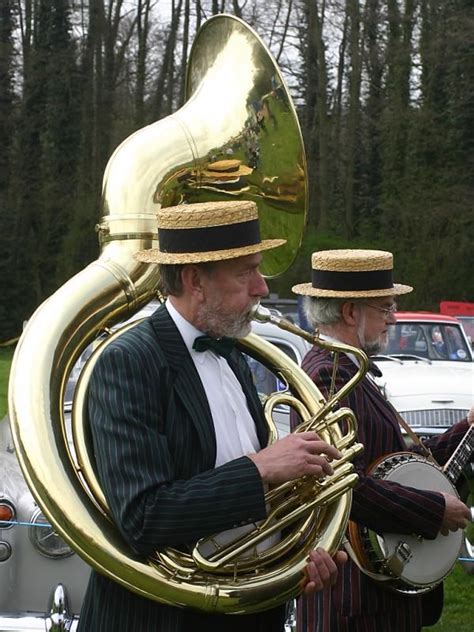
(140, 342)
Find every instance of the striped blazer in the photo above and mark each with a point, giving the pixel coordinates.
(155, 450)
(383, 506)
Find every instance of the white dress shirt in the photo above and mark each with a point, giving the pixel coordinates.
(234, 426)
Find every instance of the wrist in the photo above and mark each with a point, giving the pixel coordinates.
(254, 457)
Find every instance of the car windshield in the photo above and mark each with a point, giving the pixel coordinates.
(434, 341)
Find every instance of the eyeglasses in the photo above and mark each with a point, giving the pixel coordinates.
(387, 311)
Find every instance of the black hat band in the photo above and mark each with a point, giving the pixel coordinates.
(349, 281)
(209, 238)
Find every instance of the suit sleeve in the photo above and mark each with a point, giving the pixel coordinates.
(151, 507)
(383, 506)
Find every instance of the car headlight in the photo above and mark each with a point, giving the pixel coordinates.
(45, 539)
(7, 514)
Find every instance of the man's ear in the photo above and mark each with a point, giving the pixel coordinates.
(350, 313)
(191, 277)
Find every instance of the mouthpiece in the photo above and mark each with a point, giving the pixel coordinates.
(264, 315)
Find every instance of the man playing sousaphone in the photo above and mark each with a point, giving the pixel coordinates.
(351, 300)
(178, 429)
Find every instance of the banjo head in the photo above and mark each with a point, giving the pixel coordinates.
(425, 563)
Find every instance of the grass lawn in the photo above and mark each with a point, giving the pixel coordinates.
(458, 614)
(6, 355)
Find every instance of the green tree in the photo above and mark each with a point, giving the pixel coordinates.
(353, 127)
(371, 121)
(7, 113)
(46, 153)
(316, 122)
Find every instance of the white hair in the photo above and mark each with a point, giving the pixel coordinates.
(328, 312)
(322, 311)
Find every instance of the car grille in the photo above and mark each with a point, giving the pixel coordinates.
(434, 418)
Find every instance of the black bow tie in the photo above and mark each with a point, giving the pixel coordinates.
(374, 369)
(221, 346)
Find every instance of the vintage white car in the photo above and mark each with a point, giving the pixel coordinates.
(42, 581)
(427, 371)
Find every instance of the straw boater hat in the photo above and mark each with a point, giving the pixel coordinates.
(351, 274)
(229, 169)
(208, 231)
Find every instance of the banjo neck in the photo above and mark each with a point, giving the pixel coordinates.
(455, 465)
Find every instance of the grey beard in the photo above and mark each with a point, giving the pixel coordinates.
(212, 321)
(370, 348)
(373, 348)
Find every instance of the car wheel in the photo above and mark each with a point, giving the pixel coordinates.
(467, 549)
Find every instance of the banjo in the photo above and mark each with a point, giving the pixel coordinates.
(411, 564)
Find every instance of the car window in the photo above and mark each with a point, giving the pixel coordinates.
(265, 381)
(407, 338)
(467, 323)
(435, 341)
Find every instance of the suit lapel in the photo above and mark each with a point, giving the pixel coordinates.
(186, 382)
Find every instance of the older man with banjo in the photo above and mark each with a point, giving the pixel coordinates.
(406, 518)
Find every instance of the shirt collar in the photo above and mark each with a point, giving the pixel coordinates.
(188, 331)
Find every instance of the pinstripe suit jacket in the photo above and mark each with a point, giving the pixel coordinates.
(155, 450)
(383, 506)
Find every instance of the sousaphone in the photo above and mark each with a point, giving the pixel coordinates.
(236, 137)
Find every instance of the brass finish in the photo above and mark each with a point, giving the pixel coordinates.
(233, 87)
(238, 579)
(237, 109)
(309, 507)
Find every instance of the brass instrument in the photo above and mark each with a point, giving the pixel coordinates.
(237, 109)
